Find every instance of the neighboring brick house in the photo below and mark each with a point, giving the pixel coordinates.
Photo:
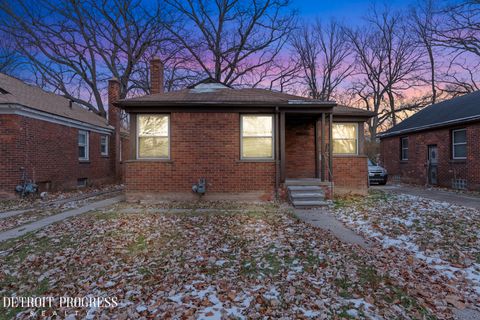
(439, 145)
(246, 143)
(60, 144)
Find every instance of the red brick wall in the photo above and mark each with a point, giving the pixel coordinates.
(203, 145)
(350, 174)
(414, 170)
(207, 145)
(300, 148)
(49, 152)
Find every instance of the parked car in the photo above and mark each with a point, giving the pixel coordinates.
(376, 173)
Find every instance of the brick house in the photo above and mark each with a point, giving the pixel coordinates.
(439, 145)
(59, 144)
(246, 143)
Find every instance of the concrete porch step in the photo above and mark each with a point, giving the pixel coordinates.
(304, 195)
(309, 203)
(304, 188)
(304, 182)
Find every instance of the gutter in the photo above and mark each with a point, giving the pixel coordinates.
(287, 104)
(430, 126)
(20, 110)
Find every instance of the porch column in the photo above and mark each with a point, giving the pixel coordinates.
(282, 146)
(322, 149)
(318, 157)
(330, 144)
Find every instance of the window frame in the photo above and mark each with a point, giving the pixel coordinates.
(272, 136)
(403, 148)
(105, 154)
(459, 143)
(86, 145)
(356, 153)
(137, 138)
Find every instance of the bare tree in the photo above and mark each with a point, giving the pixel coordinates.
(322, 52)
(458, 33)
(9, 58)
(423, 24)
(388, 63)
(75, 46)
(229, 39)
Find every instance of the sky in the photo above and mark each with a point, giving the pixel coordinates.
(350, 11)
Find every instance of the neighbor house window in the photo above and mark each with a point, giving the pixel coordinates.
(256, 136)
(153, 136)
(404, 148)
(104, 145)
(345, 138)
(459, 144)
(83, 145)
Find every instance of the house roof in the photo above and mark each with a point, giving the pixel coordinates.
(216, 94)
(458, 110)
(340, 110)
(17, 92)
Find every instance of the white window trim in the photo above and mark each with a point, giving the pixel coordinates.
(271, 137)
(137, 138)
(356, 138)
(403, 148)
(458, 143)
(106, 145)
(86, 145)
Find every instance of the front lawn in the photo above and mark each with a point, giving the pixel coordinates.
(443, 237)
(244, 262)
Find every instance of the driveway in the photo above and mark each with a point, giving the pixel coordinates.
(434, 194)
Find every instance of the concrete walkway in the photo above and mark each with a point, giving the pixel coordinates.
(20, 231)
(322, 218)
(453, 197)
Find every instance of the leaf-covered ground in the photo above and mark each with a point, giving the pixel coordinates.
(35, 201)
(244, 262)
(442, 236)
(47, 209)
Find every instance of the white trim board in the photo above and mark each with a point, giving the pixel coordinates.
(19, 110)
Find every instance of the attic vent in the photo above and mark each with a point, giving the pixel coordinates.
(3, 91)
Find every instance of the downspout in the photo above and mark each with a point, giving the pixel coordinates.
(277, 152)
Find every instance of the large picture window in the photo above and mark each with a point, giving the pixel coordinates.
(82, 145)
(257, 137)
(153, 136)
(459, 144)
(404, 148)
(345, 138)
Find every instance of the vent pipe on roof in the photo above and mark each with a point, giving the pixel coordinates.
(70, 104)
(156, 76)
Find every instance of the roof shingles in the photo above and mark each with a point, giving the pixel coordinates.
(20, 93)
(448, 112)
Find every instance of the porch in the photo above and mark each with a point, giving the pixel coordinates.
(305, 161)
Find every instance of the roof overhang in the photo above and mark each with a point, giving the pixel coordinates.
(20, 110)
(430, 127)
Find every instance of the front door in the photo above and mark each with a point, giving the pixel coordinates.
(432, 165)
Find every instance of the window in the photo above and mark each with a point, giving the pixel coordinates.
(104, 145)
(82, 182)
(256, 136)
(153, 138)
(404, 148)
(459, 144)
(83, 145)
(345, 138)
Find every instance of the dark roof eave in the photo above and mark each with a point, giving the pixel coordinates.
(429, 127)
(280, 104)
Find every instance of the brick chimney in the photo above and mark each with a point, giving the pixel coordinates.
(156, 76)
(114, 121)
